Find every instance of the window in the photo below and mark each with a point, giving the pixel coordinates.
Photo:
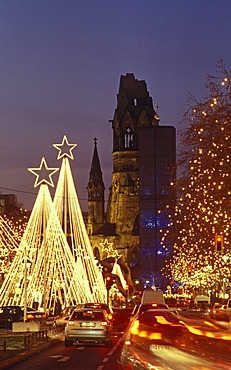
(128, 138)
(88, 315)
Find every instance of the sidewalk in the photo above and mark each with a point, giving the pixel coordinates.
(13, 357)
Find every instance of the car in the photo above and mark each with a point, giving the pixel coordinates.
(61, 320)
(121, 319)
(34, 315)
(10, 314)
(152, 296)
(218, 312)
(89, 325)
(160, 339)
(148, 306)
(153, 327)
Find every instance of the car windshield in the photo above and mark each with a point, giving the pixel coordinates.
(87, 315)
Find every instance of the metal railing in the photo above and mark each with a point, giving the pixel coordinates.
(17, 341)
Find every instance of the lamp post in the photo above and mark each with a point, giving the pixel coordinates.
(26, 263)
(225, 281)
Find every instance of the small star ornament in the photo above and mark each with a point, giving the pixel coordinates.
(107, 247)
(43, 174)
(65, 148)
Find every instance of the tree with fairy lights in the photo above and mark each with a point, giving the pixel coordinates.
(203, 213)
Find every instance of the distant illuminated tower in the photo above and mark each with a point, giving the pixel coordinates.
(143, 170)
(134, 110)
(95, 189)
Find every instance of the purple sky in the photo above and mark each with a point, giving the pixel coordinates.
(60, 66)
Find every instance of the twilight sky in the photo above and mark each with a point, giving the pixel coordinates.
(60, 66)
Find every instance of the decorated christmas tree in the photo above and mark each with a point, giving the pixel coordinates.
(70, 215)
(12, 290)
(202, 255)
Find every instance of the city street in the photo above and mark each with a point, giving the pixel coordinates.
(80, 357)
(203, 354)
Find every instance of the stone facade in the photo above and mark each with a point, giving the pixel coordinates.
(119, 223)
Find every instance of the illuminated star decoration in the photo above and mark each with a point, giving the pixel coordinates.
(65, 148)
(43, 174)
(107, 247)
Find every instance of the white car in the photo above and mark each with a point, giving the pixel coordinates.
(64, 316)
(89, 326)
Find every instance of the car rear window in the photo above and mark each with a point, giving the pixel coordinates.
(96, 305)
(146, 307)
(88, 315)
(8, 310)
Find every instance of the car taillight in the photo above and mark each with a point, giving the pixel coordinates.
(135, 327)
(104, 323)
(127, 342)
(30, 316)
(71, 323)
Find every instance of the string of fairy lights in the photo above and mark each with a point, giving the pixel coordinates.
(204, 209)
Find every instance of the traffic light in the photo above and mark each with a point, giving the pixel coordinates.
(219, 243)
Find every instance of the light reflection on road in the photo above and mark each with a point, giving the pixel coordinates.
(173, 358)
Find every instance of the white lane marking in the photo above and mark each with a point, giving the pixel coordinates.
(61, 358)
(115, 346)
(64, 359)
(110, 353)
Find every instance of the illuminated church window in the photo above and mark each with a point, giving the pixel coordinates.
(128, 139)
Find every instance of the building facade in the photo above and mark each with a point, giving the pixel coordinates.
(143, 171)
(157, 171)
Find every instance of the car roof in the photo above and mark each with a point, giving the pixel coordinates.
(89, 309)
(162, 312)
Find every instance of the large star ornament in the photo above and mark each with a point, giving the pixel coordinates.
(65, 148)
(43, 174)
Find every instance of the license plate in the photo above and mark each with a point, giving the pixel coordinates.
(88, 324)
